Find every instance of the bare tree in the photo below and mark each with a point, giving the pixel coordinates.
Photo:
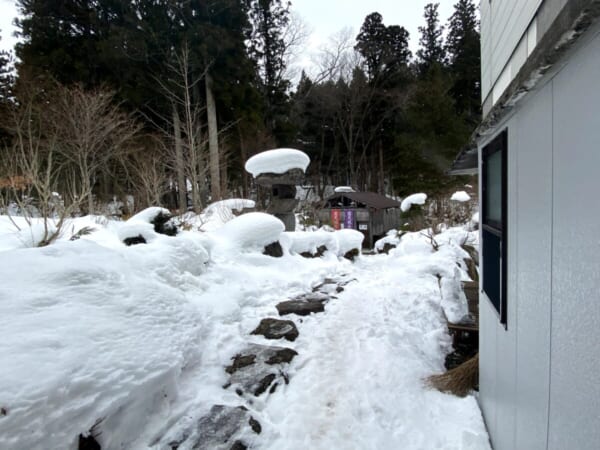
(92, 131)
(149, 171)
(213, 140)
(295, 36)
(337, 58)
(35, 170)
(190, 161)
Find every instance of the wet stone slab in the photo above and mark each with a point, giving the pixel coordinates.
(272, 328)
(223, 428)
(258, 369)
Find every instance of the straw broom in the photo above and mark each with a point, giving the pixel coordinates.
(458, 381)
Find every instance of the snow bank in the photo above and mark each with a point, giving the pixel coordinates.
(277, 161)
(349, 240)
(460, 196)
(94, 333)
(414, 199)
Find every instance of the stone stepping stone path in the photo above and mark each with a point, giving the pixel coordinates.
(254, 371)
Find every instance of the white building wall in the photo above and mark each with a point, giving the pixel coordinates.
(575, 357)
(539, 377)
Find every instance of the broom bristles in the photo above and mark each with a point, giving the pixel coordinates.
(458, 381)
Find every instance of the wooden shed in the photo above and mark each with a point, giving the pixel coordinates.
(368, 212)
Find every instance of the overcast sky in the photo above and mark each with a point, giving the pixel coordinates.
(324, 17)
(329, 16)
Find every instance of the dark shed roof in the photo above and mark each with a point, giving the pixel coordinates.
(370, 199)
(466, 163)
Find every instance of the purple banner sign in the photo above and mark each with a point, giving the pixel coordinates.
(349, 218)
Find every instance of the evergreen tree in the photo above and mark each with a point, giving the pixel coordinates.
(431, 49)
(385, 49)
(267, 48)
(6, 77)
(462, 45)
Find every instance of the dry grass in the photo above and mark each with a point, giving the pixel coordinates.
(458, 381)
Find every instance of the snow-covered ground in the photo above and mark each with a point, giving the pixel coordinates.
(135, 339)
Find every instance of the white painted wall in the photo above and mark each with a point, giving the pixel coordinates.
(539, 385)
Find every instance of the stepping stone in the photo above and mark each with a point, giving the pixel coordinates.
(277, 329)
(258, 369)
(220, 429)
(304, 305)
(300, 307)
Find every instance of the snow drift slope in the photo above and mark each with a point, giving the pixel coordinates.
(93, 333)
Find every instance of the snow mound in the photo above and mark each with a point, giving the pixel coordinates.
(310, 241)
(94, 333)
(414, 199)
(277, 161)
(253, 230)
(349, 240)
(460, 196)
(343, 189)
(475, 218)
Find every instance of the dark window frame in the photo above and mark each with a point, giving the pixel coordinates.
(495, 228)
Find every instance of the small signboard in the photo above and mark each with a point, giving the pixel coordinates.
(336, 218)
(363, 226)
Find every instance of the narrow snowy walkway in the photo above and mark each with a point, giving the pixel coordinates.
(358, 377)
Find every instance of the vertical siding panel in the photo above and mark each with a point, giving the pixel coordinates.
(575, 356)
(507, 338)
(533, 298)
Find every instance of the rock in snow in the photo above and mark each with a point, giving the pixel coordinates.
(276, 329)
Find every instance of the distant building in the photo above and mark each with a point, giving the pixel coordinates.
(538, 153)
(370, 213)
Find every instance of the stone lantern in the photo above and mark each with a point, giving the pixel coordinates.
(280, 170)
